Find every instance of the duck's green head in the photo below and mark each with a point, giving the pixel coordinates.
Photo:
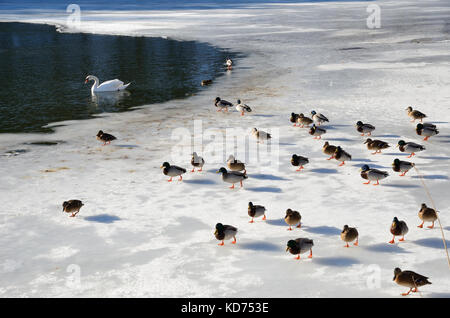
(359, 123)
(219, 227)
(238, 101)
(222, 170)
(165, 165)
(291, 244)
(365, 168)
(401, 143)
(396, 162)
(250, 204)
(313, 112)
(217, 99)
(395, 221)
(419, 126)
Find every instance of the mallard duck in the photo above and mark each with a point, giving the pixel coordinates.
(409, 147)
(318, 117)
(373, 174)
(232, 176)
(376, 145)
(293, 118)
(349, 234)
(106, 138)
(300, 246)
(261, 135)
(415, 114)
(303, 121)
(206, 82)
(410, 279)
(429, 131)
(427, 214)
(398, 228)
(342, 155)
(364, 128)
(225, 232)
(402, 166)
(197, 162)
(293, 218)
(255, 211)
(317, 132)
(299, 161)
(235, 165)
(329, 150)
(172, 171)
(72, 206)
(242, 108)
(222, 104)
(229, 63)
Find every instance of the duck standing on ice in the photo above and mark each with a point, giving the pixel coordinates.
(398, 228)
(72, 206)
(232, 176)
(426, 130)
(293, 218)
(300, 246)
(225, 232)
(108, 86)
(317, 132)
(415, 114)
(349, 234)
(329, 150)
(261, 135)
(299, 161)
(242, 108)
(106, 138)
(172, 171)
(342, 156)
(402, 166)
(373, 174)
(222, 104)
(197, 162)
(234, 164)
(255, 211)
(364, 128)
(409, 147)
(376, 145)
(318, 117)
(410, 279)
(427, 214)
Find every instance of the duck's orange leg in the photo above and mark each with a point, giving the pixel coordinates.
(298, 257)
(426, 138)
(234, 242)
(330, 158)
(170, 180)
(232, 187)
(241, 184)
(221, 244)
(289, 229)
(392, 241)
(264, 217)
(378, 183)
(357, 242)
(368, 182)
(343, 163)
(251, 221)
(310, 254)
(402, 239)
(299, 225)
(406, 294)
(432, 226)
(346, 245)
(421, 225)
(181, 178)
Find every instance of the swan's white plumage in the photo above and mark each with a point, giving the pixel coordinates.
(108, 86)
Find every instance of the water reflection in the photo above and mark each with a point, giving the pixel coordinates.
(109, 100)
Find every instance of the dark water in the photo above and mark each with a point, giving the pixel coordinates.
(42, 73)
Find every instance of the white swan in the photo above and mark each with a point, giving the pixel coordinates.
(108, 86)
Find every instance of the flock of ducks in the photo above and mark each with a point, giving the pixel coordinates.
(237, 174)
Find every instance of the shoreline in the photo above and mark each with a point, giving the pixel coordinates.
(132, 239)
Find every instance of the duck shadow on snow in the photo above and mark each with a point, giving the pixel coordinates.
(324, 170)
(385, 248)
(103, 218)
(432, 177)
(336, 261)
(341, 139)
(406, 186)
(265, 189)
(386, 136)
(261, 246)
(361, 160)
(200, 181)
(127, 146)
(277, 222)
(262, 176)
(436, 157)
(431, 242)
(325, 230)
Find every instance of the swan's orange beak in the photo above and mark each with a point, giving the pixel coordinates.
(85, 82)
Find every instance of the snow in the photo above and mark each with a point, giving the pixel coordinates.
(138, 235)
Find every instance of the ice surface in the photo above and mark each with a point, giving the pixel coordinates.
(138, 235)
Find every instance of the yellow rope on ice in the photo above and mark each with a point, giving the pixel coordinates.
(437, 214)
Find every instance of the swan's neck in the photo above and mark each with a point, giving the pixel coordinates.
(94, 87)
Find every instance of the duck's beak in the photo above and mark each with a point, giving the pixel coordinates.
(217, 171)
(215, 233)
(161, 167)
(287, 248)
(396, 146)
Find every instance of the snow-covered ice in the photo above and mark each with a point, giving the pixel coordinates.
(138, 235)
